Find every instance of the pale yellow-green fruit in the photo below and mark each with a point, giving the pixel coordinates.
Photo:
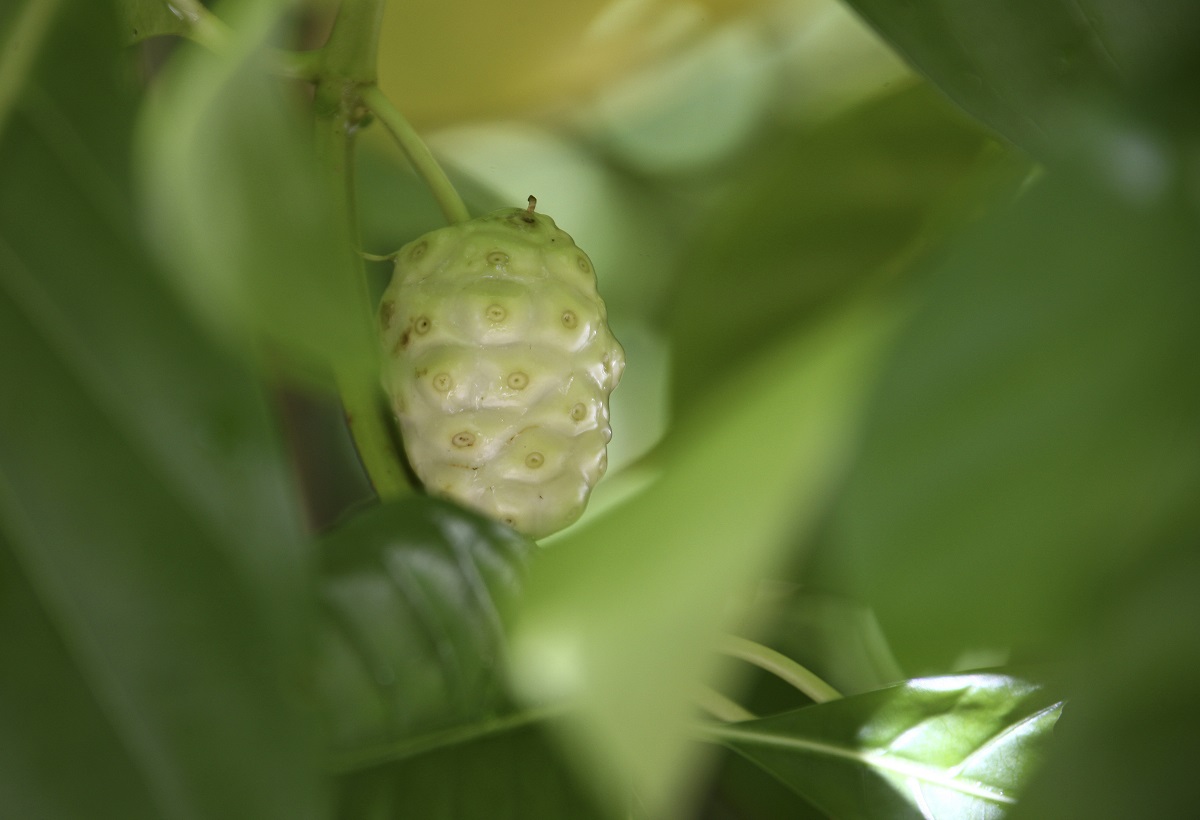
(499, 363)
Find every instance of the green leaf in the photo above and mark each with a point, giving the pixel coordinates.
(1127, 748)
(950, 747)
(143, 19)
(142, 496)
(509, 776)
(621, 617)
(59, 754)
(411, 642)
(813, 215)
(241, 212)
(1036, 428)
(1039, 71)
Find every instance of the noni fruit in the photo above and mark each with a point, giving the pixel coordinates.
(499, 363)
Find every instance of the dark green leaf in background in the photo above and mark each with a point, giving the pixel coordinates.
(60, 756)
(156, 570)
(951, 747)
(516, 775)
(1038, 71)
(1126, 746)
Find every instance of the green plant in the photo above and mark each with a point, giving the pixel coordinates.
(906, 453)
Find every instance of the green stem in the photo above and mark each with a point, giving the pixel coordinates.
(779, 665)
(369, 427)
(719, 706)
(352, 51)
(418, 154)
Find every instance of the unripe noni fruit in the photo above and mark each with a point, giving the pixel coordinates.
(499, 363)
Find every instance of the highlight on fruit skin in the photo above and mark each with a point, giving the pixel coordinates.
(499, 363)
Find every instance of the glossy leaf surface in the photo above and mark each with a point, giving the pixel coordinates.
(944, 748)
(411, 640)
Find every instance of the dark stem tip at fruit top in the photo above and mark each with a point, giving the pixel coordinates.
(529, 211)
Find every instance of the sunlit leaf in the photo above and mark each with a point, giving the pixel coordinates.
(944, 748)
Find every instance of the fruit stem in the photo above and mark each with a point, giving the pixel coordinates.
(779, 665)
(336, 120)
(418, 154)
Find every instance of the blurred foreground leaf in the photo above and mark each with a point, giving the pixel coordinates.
(952, 747)
(241, 213)
(153, 563)
(621, 617)
(1038, 426)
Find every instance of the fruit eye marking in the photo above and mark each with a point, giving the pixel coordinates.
(443, 382)
(579, 411)
(497, 258)
(422, 325)
(496, 313)
(569, 319)
(386, 309)
(418, 250)
(463, 439)
(534, 460)
(518, 380)
(583, 264)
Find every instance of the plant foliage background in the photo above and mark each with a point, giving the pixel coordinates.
(908, 293)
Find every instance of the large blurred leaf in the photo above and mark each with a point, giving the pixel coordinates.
(60, 756)
(945, 748)
(241, 211)
(621, 617)
(1127, 746)
(1038, 425)
(141, 492)
(1031, 69)
(514, 775)
(812, 216)
(411, 638)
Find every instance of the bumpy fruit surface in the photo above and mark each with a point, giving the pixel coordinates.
(499, 364)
